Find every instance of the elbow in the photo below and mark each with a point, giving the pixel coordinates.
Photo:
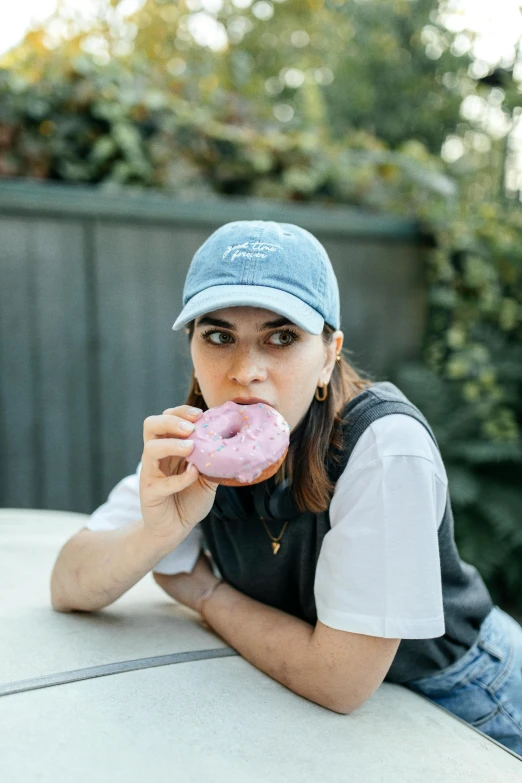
(65, 583)
(348, 707)
(336, 704)
(341, 709)
(344, 704)
(58, 601)
(58, 607)
(57, 604)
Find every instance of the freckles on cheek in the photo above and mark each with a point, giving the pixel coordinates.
(298, 386)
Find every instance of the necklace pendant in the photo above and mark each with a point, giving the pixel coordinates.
(275, 547)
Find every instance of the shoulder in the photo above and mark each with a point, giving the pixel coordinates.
(395, 470)
(395, 435)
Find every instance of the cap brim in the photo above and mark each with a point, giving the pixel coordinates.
(281, 302)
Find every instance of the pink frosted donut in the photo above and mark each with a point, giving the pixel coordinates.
(239, 444)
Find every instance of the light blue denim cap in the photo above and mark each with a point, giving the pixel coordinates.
(261, 263)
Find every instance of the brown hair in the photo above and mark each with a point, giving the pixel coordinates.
(305, 463)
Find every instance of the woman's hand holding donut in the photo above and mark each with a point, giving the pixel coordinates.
(173, 500)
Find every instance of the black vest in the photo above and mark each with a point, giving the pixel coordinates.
(243, 553)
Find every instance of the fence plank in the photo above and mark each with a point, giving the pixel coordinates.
(61, 331)
(19, 436)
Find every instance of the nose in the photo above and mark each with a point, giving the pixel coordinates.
(247, 368)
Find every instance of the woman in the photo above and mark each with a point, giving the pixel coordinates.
(339, 572)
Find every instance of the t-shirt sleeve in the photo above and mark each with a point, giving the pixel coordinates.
(378, 571)
(123, 508)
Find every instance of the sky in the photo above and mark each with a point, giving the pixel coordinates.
(498, 23)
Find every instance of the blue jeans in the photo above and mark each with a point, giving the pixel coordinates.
(484, 687)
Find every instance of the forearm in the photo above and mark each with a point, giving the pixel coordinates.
(94, 569)
(275, 642)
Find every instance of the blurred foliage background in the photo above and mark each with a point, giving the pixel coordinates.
(374, 103)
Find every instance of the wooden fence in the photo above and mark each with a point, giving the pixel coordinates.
(90, 285)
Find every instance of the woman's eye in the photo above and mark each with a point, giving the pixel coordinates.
(218, 334)
(285, 338)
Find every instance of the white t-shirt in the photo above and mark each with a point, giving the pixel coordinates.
(378, 571)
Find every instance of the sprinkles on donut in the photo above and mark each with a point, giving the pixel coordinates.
(238, 444)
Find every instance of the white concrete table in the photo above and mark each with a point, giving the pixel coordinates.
(199, 712)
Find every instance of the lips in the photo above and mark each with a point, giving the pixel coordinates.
(249, 400)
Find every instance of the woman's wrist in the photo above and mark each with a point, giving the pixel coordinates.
(158, 546)
(207, 595)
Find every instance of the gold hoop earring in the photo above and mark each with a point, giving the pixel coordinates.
(197, 390)
(324, 396)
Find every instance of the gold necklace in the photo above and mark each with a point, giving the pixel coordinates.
(275, 541)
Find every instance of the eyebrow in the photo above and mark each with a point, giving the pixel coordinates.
(207, 320)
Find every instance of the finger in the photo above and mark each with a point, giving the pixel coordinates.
(184, 411)
(157, 449)
(163, 487)
(166, 425)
